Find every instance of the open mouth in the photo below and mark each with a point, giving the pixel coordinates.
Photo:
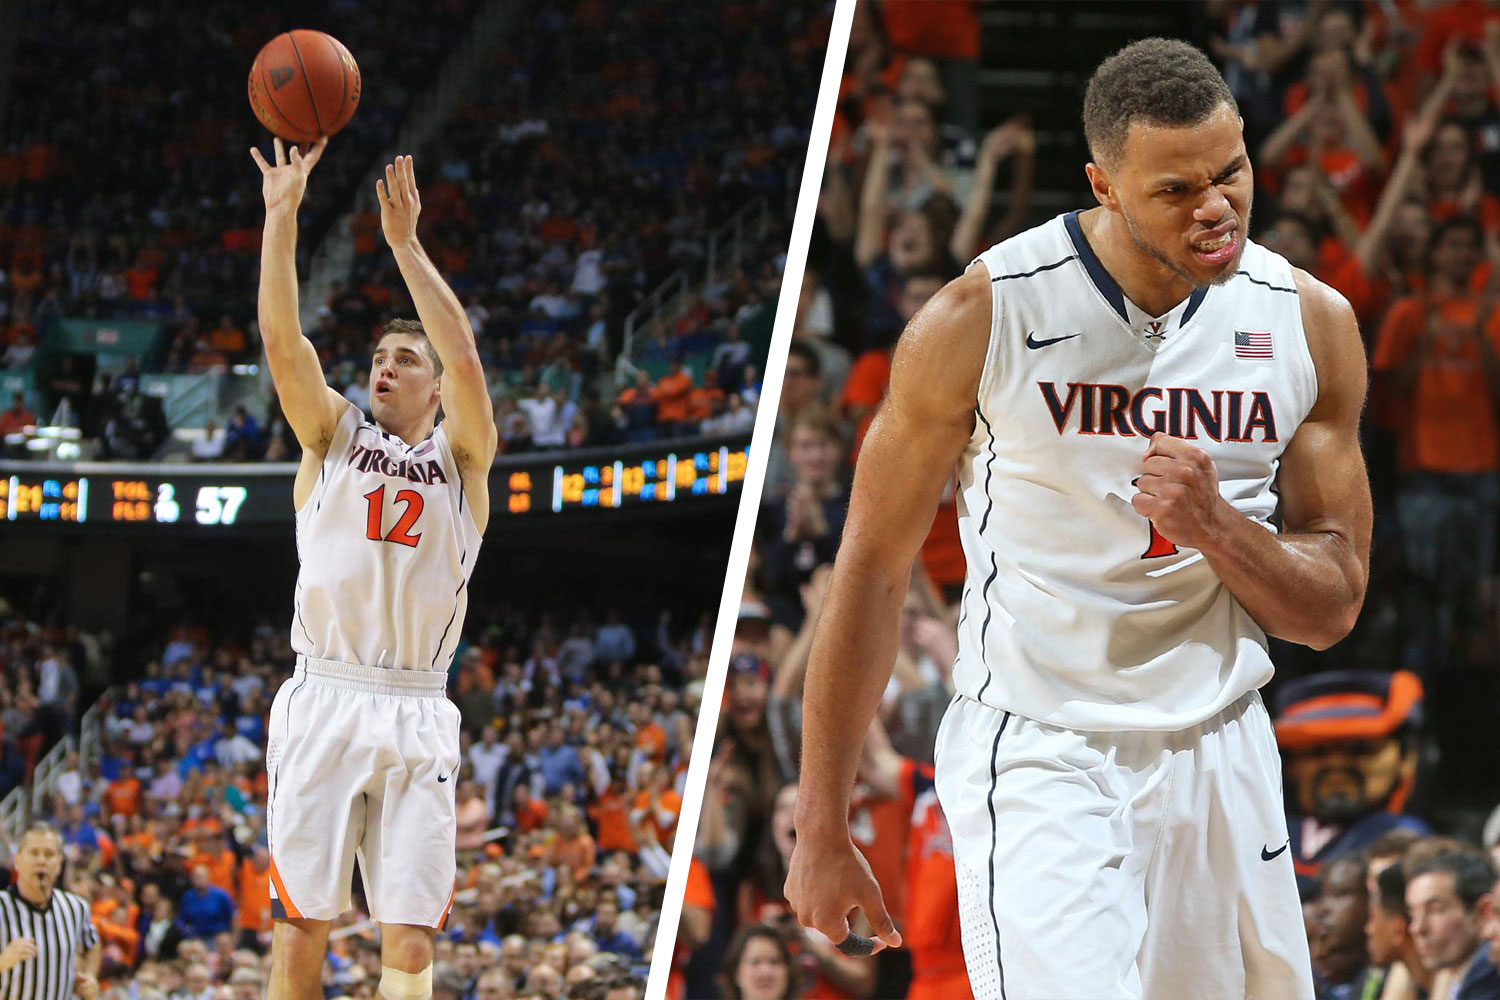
(383, 388)
(1219, 249)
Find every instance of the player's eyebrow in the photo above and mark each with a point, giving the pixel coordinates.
(1229, 168)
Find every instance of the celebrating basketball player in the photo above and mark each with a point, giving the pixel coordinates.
(363, 741)
(1126, 392)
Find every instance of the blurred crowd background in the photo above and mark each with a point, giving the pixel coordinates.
(597, 153)
(1374, 131)
(576, 734)
(608, 187)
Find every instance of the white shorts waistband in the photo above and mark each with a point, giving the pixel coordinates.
(378, 680)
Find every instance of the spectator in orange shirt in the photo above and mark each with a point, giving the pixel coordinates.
(530, 811)
(215, 855)
(1331, 132)
(253, 910)
(572, 846)
(637, 406)
(228, 338)
(140, 280)
(17, 417)
(122, 797)
(612, 818)
(701, 404)
(1439, 354)
(672, 395)
(658, 802)
(650, 738)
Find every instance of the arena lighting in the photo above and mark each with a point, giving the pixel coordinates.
(219, 495)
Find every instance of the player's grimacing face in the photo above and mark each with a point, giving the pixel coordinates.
(1185, 193)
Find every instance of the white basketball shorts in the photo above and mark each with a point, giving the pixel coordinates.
(1122, 866)
(361, 763)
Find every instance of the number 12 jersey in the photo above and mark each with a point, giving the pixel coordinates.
(387, 542)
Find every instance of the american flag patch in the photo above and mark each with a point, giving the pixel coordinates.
(1252, 346)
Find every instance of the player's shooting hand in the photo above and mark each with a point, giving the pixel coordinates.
(826, 882)
(283, 185)
(1179, 492)
(399, 203)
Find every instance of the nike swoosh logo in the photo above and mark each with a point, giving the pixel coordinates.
(1033, 343)
(1266, 854)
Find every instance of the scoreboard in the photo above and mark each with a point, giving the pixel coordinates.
(214, 495)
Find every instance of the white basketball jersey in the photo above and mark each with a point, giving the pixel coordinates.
(387, 544)
(1075, 612)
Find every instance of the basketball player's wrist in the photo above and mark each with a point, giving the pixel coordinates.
(823, 827)
(1222, 528)
(407, 245)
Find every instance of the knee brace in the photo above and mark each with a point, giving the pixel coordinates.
(398, 985)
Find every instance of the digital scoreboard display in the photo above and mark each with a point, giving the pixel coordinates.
(217, 496)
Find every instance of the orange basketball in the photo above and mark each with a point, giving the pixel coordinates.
(304, 85)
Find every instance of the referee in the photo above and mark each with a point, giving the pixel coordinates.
(49, 949)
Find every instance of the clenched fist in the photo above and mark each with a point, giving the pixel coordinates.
(1179, 492)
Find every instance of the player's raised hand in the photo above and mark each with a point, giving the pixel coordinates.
(399, 203)
(826, 882)
(284, 184)
(1179, 491)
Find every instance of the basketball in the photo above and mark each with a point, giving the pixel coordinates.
(304, 85)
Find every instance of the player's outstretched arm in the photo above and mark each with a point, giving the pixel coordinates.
(1307, 584)
(468, 414)
(312, 409)
(910, 451)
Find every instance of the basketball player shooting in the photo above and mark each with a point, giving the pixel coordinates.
(363, 741)
(1126, 391)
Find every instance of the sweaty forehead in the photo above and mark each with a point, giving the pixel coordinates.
(1188, 152)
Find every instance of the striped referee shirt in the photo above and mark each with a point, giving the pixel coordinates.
(62, 930)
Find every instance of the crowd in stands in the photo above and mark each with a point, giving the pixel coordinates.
(1374, 143)
(575, 738)
(618, 138)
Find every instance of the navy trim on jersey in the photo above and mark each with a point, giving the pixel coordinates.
(1274, 288)
(984, 594)
(462, 584)
(994, 838)
(1036, 271)
(1194, 301)
(1107, 285)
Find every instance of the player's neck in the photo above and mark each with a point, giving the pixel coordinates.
(1154, 288)
(413, 432)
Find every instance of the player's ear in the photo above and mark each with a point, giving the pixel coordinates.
(1101, 185)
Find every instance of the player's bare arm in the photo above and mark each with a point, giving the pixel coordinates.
(1306, 584)
(312, 408)
(468, 413)
(908, 455)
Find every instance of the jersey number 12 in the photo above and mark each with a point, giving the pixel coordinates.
(401, 533)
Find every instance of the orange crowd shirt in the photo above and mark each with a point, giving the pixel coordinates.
(1447, 420)
(931, 930)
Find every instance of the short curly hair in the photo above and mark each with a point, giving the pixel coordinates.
(1161, 81)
